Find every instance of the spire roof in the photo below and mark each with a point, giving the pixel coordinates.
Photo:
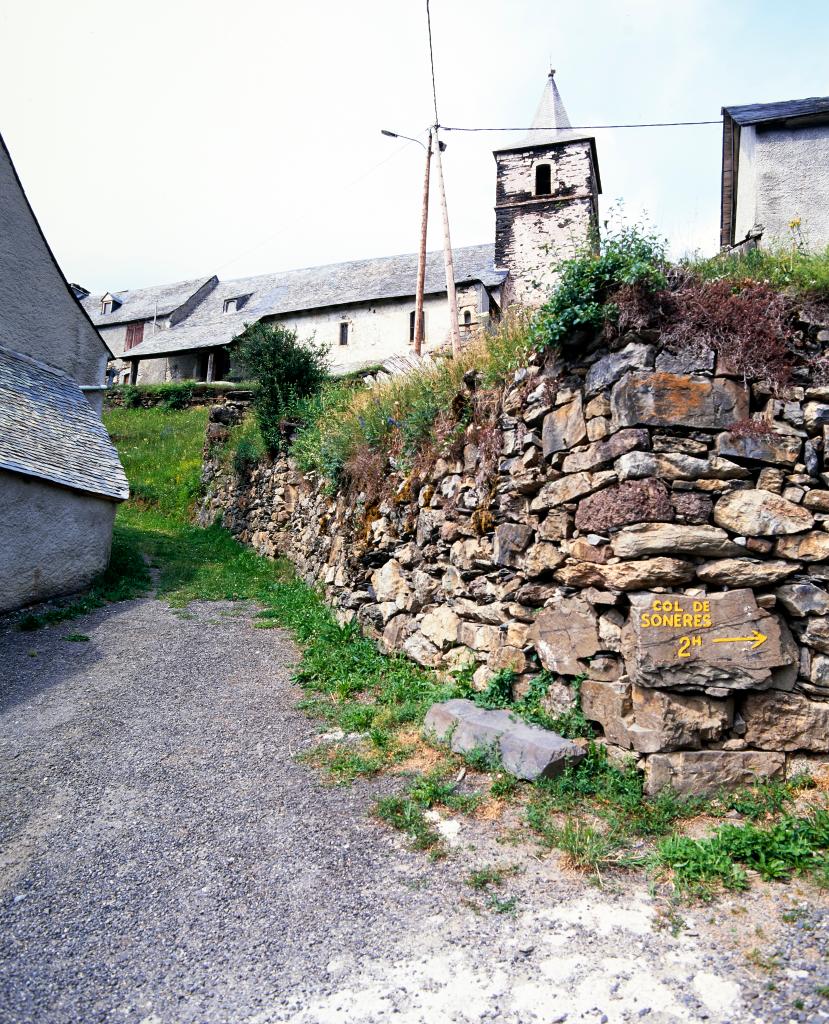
(551, 122)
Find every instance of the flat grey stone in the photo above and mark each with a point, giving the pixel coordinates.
(527, 751)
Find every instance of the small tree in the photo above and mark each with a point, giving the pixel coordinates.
(285, 370)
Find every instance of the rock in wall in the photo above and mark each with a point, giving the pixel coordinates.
(653, 524)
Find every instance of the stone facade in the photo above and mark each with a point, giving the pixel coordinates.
(636, 531)
(40, 315)
(533, 231)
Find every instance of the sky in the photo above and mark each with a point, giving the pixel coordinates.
(171, 139)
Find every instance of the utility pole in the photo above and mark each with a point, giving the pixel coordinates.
(454, 327)
(421, 262)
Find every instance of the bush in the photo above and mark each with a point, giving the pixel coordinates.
(132, 396)
(177, 394)
(627, 256)
(285, 370)
(246, 447)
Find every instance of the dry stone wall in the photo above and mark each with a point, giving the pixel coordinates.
(650, 523)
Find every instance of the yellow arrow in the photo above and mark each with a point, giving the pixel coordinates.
(756, 639)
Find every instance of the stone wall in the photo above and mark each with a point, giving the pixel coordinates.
(640, 518)
(202, 394)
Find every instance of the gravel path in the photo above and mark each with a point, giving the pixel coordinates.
(165, 858)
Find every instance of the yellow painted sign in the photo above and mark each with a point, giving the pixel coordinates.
(694, 614)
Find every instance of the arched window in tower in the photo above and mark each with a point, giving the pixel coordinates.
(542, 180)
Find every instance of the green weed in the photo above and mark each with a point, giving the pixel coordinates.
(790, 845)
(76, 638)
(484, 877)
(626, 255)
(406, 815)
(499, 905)
(584, 847)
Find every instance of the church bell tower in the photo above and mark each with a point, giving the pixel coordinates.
(546, 200)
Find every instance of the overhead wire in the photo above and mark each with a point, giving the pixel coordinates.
(582, 127)
(297, 214)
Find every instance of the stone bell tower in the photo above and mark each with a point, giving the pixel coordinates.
(546, 199)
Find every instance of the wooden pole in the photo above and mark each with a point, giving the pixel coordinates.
(454, 329)
(421, 262)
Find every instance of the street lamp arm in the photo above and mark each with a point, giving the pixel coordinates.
(408, 138)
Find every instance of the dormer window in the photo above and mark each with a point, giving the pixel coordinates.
(543, 180)
(234, 303)
(108, 303)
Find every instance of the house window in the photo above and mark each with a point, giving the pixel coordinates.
(135, 335)
(467, 317)
(411, 326)
(106, 306)
(542, 180)
(344, 333)
(230, 305)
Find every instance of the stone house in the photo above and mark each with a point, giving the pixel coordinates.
(775, 171)
(547, 186)
(60, 476)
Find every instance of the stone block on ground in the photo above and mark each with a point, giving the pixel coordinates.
(526, 751)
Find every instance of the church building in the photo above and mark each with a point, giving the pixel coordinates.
(546, 201)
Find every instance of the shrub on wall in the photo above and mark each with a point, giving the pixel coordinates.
(628, 256)
(285, 370)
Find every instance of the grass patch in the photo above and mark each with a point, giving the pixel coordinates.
(400, 415)
(406, 815)
(605, 809)
(406, 811)
(76, 638)
(784, 267)
(161, 453)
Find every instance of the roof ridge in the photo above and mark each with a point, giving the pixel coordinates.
(362, 259)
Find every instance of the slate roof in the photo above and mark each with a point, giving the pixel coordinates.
(769, 113)
(295, 291)
(143, 303)
(550, 125)
(50, 431)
